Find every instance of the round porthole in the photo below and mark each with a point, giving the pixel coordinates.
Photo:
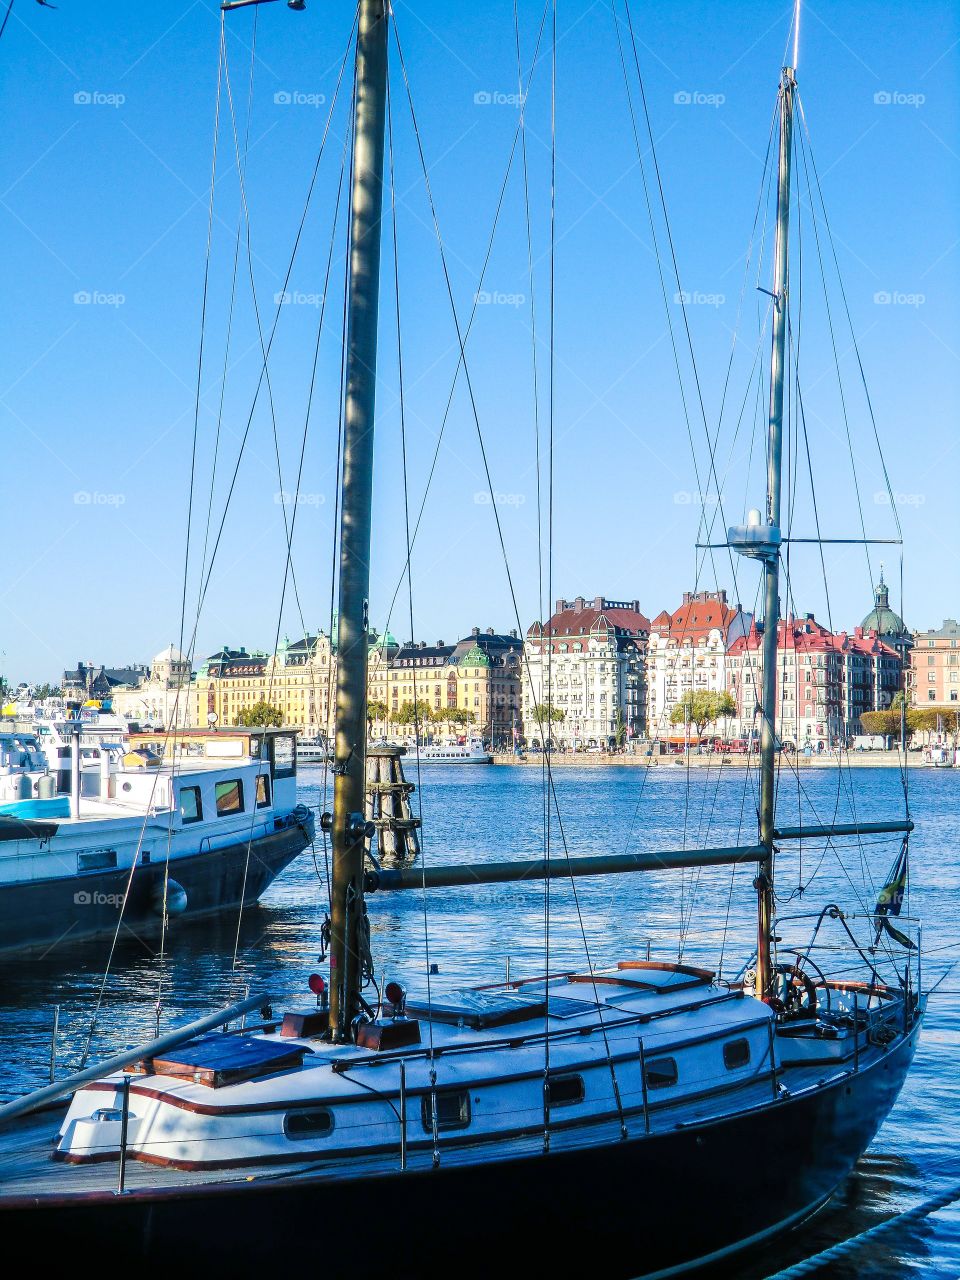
(128, 786)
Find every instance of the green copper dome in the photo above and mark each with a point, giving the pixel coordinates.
(881, 617)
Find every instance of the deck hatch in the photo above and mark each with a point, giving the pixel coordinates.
(479, 1009)
(218, 1059)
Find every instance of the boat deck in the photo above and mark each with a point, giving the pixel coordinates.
(333, 1074)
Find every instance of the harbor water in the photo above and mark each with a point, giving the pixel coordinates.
(470, 935)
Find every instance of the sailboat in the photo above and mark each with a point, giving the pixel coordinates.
(642, 1119)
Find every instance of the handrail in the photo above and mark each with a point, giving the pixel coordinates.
(50, 1092)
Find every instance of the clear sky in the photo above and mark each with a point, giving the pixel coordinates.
(108, 122)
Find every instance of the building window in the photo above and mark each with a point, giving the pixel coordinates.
(932, 695)
(191, 806)
(229, 797)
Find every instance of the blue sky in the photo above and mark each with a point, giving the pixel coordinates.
(104, 175)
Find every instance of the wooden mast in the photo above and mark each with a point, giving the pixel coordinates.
(771, 560)
(348, 823)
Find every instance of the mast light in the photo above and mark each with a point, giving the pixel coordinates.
(756, 539)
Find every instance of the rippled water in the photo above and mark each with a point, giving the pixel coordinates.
(478, 813)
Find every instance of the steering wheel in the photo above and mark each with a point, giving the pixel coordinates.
(799, 991)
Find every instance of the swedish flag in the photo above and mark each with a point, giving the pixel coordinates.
(890, 901)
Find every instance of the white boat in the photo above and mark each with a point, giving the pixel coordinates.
(471, 752)
(126, 833)
(315, 750)
(638, 1118)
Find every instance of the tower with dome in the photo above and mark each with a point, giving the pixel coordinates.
(887, 624)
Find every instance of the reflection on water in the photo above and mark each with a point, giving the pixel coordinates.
(482, 814)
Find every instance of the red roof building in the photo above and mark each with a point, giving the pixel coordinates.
(825, 681)
(586, 674)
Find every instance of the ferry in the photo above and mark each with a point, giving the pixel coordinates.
(472, 752)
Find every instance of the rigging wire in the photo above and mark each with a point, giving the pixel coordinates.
(407, 535)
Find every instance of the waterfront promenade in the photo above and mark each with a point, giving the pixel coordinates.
(713, 759)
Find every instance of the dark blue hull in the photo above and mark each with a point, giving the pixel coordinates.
(43, 913)
(654, 1206)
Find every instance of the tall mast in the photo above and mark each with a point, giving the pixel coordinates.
(771, 560)
(348, 826)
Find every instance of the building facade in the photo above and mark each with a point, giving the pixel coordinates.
(164, 697)
(584, 683)
(687, 653)
(934, 674)
(825, 682)
(479, 676)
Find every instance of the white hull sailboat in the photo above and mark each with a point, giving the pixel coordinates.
(640, 1119)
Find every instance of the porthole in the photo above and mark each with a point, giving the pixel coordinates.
(736, 1053)
(660, 1073)
(307, 1124)
(564, 1090)
(453, 1110)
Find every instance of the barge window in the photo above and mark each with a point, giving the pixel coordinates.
(263, 791)
(453, 1110)
(661, 1073)
(98, 860)
(736, 1053)
(191, 806)
(307, 1124)
(564, 1090)
(229, 797)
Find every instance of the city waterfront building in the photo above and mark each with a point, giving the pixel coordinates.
(686, 653)
(89, 683)
(163, 697)
(934, 676)
(825, 682)
(300, 680)
(479, 677)
(584, 679)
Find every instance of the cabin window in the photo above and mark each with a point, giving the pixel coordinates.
(660, 1073)
(98, 860)
(564, 1090)
(736, 1053)
(263, 791)
(191, 806)
(283, 755)
(229, 797)
(453, 1110)
(307, 1124)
